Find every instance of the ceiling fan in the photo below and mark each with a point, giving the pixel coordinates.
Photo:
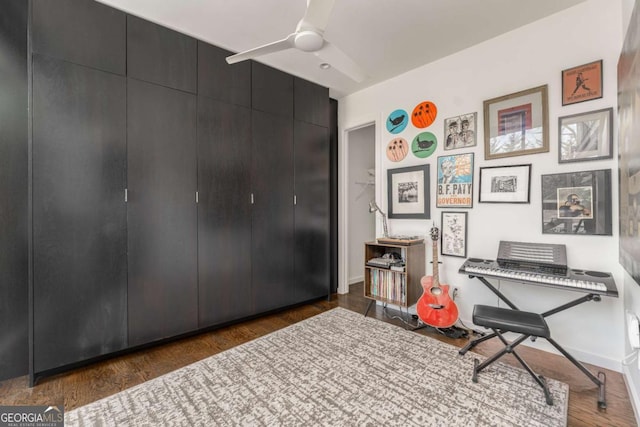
(308, 37)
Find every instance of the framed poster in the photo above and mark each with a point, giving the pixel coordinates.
(408, 192)
(505, 184)
(455, 181)
(460, 131)
(629, 149)
(516, 124)
(585, 136)
(454, 234)
(577, 203)
(582, 83)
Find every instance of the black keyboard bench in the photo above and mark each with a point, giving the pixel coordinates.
(507, 320)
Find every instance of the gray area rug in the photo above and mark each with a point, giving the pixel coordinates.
(335, 369)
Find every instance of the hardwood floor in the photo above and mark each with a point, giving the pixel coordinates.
(85, 385)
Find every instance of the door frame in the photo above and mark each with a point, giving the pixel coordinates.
(343, 190)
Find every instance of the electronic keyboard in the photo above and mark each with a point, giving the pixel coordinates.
(595, 282)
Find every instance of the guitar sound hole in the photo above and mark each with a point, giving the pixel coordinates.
(436, 291)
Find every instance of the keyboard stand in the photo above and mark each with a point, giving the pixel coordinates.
(599, 381)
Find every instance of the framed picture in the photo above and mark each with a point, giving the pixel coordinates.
(454, 234)
(629, 149)
(455, 181)
(516, 124)
(505, 184)
(577, 203)
(582, 83)
(408, 192)
(460, 131)
(585, 136)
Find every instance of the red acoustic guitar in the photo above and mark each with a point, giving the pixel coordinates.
(435, 307)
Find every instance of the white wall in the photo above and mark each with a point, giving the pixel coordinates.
(361, 223)
(631, 288)
(527, 57)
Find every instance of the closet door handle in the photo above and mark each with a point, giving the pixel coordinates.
(252, 200)
(126, 195)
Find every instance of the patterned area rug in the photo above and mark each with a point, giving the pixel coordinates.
(335, 369)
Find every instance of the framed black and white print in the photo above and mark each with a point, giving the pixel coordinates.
(505, 184)
(460, 131)
(454, 234)
(408, 193)
(577, 203)
(585, 136)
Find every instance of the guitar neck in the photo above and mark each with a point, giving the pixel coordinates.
(436, 282)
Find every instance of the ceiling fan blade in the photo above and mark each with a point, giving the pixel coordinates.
(341, 62)
(262, 50)
(316, 17)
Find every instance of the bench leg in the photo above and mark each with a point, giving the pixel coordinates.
(510, 348)
(475, 342)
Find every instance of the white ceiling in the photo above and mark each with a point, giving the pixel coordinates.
(385, 37)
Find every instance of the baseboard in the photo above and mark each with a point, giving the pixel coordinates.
(355, 280)
(633, 391)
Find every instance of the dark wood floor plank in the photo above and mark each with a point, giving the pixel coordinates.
(93, 382)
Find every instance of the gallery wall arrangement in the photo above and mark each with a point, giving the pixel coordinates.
(515, 124)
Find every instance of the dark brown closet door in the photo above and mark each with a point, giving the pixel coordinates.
(14, 265)
(159, 55)
(312, 232)
(272, 219)
(79, 214)
(162, 215)
(224, 212)
(79, 31)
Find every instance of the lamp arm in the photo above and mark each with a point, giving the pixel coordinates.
(385, 229)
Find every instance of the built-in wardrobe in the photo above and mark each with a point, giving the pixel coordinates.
(168, 191)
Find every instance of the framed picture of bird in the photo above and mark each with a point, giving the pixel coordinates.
(424, 144)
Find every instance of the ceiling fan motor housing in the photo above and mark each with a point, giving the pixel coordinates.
(308, 40)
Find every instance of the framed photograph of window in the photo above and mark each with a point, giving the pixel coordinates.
(505, 184)
(454, 234)
(516, 124)
(582, 83)
(408, 193)
(455, 181)
(585, 136)
(577, 203)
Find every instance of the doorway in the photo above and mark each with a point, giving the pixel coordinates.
(358, 187)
